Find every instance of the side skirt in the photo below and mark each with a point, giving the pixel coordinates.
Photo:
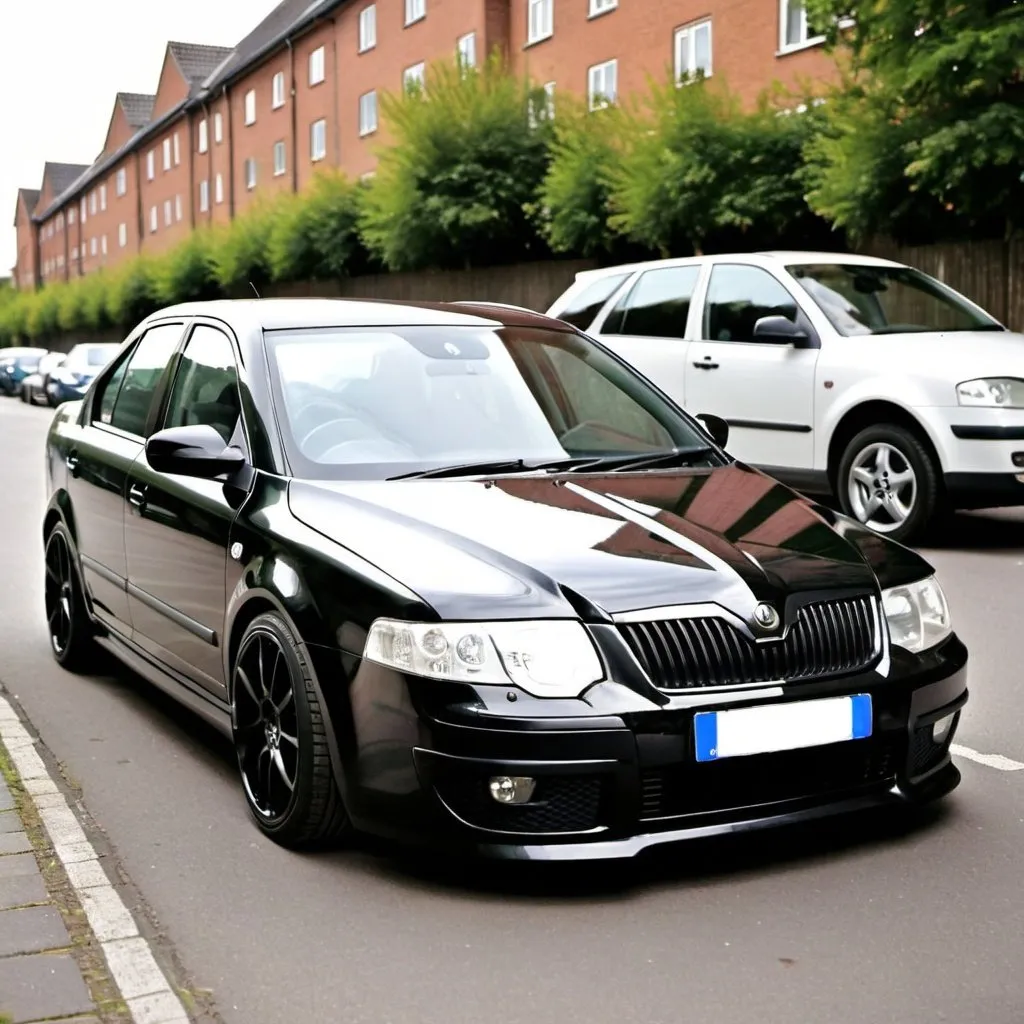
(808, 481)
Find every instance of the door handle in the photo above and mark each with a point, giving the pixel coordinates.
(706, 364)
(72, 462)
(137, 495)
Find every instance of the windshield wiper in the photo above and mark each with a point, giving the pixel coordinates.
(492, 466)
(647, 460)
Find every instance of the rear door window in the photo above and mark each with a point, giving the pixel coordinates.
(139, 380)
(584, 307)
(657, 306)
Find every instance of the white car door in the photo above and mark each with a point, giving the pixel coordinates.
(647, 326)
(763, 388)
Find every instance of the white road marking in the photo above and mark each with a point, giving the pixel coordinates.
(997, 761)
(141, 982)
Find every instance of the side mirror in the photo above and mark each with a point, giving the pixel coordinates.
(197, 451)
(717, 429)
(781, 331)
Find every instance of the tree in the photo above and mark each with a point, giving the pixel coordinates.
(927, 130)
(699, 171)
(457, 186)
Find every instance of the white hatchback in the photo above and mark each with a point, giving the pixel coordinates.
(839, 375)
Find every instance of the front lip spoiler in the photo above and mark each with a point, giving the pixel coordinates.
(937, 785)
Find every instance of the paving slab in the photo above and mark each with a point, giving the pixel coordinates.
(10, 822)
(42, 987)
(14, 842)
(6, 800)
(18, 864)
(21, 890)
(32, 930)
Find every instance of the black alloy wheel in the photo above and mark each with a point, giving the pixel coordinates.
(67, 620)
(281, 739)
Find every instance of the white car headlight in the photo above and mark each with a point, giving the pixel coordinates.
(547, 658)
(917, 614)
(992, 392)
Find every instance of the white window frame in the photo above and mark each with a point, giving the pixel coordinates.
(121, 182)
(168, 213)
(154, 220)
(204, 196)
(92, 209)
(368, 28)
(122, 235)
(177, 149)
(92, 246)
(218, 127)
(599, 99)
(318, 66)
(179, 209)
(414, 73)
(103, 198)
(368, 120)
(249, 170)
(218, 189)
(103, 246)
(167, 154)
(806, 41)
(250, 107)
(540, 20)
(277, 91)
(686, 37)
(599, 7)
(280, 166)
(85, 211)
(318, 152)
(71, 216)
(466, 50)
(204, 136)
(415, 10)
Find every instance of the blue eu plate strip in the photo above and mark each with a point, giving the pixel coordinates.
(861, 716)
(705, 730)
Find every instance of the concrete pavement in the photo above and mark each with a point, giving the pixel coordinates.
(874, 920)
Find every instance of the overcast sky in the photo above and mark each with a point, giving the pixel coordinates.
(62, 62)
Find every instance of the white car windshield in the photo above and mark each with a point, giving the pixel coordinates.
(380, 402)
(865, 299)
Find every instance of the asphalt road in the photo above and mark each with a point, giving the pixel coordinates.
(864, 922)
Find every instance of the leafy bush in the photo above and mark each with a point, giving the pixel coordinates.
(70, 305)
(130, 295)
(457, 187)
(41, 319)
(239, 253)
(187, 272)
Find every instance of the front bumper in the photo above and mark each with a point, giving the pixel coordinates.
(613, 784)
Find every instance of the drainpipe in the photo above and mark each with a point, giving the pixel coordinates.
(191, 169)
(295, 116)
(140, 213)
(231, 154)
(335, 85)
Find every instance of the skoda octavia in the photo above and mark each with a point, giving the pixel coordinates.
(457, 574)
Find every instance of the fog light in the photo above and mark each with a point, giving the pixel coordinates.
(512, 789)
(1018, 459)
(941, 729)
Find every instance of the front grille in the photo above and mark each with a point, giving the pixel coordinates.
(829, 638)
(563, 803)
(734, 783)
(925, 753)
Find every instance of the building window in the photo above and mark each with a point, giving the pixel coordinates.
(122, 235)
(543, 108)
(204, 196)
(154, 219)
(415, 10)
(168, 213)
(413, 78)
(167, 154)
(318, 140)
(368, 28)
(85, 213)
(103, 197)
(368, 113)
(250, 174)
(71, 216)
(540, 20)
(693, 51)
(204, 136)
(218, 128)
(794, 30)
(280, 159)
(467, 50)
(74, 252)
(602, 84)
(121, 182)
(103, 245)
(250, 107)
(178, 211)
(92, 205)
(177, 149)
(218, 189)
(92, 246)
(316, 66)
(602, 6)
(151, 165)
(60, 221)
(277, 91)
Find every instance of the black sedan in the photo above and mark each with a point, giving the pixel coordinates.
(457, 574)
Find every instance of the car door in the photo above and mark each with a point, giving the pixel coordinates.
(763, 389)
(100, 451)
(176, 530)
(650, 323)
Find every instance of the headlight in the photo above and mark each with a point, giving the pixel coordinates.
(917, 614)
(546, 658)
(992, 392)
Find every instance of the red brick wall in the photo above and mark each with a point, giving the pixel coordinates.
(169, 190)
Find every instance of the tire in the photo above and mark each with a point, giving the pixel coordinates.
(867, 488)
(68, 624)
(282, 738)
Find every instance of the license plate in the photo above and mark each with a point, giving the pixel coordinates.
(774, 727)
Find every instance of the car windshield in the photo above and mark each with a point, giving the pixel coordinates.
(99, 355)
(382, 402)
(864, 299)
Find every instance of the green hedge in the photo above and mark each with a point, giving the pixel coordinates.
(477, 173)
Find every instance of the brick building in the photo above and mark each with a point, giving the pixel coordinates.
(302, 91)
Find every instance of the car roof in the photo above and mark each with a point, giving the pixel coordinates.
(788, 257)
(296, 314)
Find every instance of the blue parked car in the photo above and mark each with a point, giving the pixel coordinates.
(70, 381)
(15, 365)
